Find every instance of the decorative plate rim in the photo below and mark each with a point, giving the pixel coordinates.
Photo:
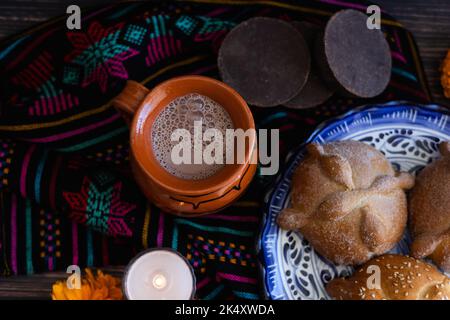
(260, 249)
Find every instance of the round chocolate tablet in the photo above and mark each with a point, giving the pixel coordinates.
(315, 91)
(308, 30)
(353, 58)
(266, 60)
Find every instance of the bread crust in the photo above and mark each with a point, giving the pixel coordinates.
(400, 278)
(429, 204)
(347, 201)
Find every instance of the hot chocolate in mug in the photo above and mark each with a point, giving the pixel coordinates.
(145, 109)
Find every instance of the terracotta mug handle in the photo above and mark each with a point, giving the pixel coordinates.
(128, 101)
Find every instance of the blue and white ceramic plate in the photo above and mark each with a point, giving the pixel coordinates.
(407, 134)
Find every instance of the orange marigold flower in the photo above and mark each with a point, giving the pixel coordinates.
(99, 287)
(445, 75)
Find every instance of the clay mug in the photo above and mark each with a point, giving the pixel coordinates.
(140, 106)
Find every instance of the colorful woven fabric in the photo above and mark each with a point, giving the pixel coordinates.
(67, 196)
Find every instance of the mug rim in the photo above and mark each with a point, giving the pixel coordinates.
(140, 131)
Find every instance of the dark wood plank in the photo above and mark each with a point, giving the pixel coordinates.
(38, 286)
(429, 21)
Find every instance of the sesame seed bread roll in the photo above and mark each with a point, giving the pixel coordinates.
(401, 278)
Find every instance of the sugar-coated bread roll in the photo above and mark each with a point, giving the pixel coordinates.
(400, 278)
(429, 205)
(347, 201)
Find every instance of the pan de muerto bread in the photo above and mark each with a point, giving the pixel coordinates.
(392, 277)
(430, 211)
(347, 201)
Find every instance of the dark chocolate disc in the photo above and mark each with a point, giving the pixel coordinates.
(315, 91)
(308, 30)
(266, 60)
(353, 58)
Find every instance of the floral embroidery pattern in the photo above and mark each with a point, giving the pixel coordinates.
(99, 54)
(100, 207)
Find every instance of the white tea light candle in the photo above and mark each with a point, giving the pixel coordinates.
(159, 274)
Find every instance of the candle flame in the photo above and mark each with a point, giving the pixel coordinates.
(159, 281)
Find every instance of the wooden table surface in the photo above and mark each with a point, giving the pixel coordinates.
(429, 21)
